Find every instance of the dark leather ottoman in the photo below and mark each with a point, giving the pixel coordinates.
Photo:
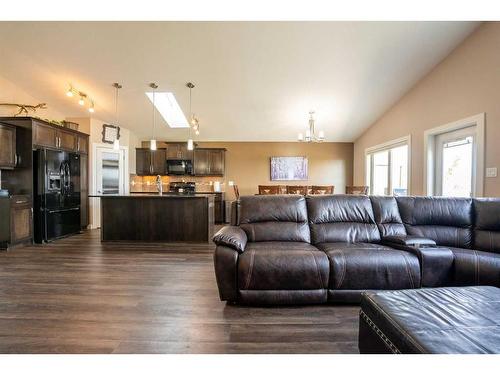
(438, 320)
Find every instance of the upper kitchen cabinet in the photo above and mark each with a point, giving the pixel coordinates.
(209, 161)
(82, 144)
(150, 162)
(44, 135)
(47, 135)
(178, 151)
(7, 147)
(67, 140)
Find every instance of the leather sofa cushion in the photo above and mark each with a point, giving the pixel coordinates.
(386, 213)
(341, 218)
(487, 224)
(473, 267)
(274, 218)
(448, 221)
(282, 266)
(259, 208)
(363, 266)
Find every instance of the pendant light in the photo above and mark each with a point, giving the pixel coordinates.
(116, 142)
(194, 123)
(152, 143)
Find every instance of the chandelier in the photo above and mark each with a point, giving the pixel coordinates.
(311, 133)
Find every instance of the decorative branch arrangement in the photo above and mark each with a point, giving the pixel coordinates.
(25, 108)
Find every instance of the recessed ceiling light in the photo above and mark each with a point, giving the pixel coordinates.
(169, 109)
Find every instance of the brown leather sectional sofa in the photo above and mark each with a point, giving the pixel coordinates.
(318, 249)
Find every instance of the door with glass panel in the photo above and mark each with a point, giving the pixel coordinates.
(387, 170)
(109, 178)
(455, 163)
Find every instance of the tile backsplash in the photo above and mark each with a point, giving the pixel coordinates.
(147, 184)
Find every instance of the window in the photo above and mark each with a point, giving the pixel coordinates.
(387, 168)
(455, 158)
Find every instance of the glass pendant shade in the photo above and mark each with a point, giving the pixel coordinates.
(190, 144)
(116, 145)
(152, 145)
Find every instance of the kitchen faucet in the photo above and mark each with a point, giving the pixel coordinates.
(159, 185)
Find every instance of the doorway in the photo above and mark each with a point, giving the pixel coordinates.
(455, 163)
(109, 177)
(455, 158)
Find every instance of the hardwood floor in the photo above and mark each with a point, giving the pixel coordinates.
(77, 295)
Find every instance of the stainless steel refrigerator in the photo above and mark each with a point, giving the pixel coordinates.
(57, 194)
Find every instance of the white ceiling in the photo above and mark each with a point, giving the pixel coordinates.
(255, 81)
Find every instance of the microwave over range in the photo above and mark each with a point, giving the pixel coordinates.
(179, 167)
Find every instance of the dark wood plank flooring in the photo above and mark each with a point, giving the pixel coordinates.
(77, 295)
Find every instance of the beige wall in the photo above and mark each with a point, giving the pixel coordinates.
(248, 163)
(466, 83)
(11, 93)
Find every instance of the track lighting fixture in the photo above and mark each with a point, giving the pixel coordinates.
(83, 97)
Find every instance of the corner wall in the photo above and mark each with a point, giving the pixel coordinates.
(465, 83)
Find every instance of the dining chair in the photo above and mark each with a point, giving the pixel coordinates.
(356, 190)
(297, 189)
(318, 190)
(269, 189)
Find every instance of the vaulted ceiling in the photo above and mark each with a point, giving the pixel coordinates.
(255, 81)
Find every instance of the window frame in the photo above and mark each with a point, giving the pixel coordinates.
(370, 151)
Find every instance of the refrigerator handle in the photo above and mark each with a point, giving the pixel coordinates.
(68, 175)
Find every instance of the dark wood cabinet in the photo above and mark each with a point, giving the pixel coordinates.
(16, 220)
(46, 135)
(200, 162)
(150, 162)
(82, 144)
(178, 151)
(216, 162)
(142, 161)
(218, 208)
(67, 140)
(8, 158)
(209, 161)
(84, 191)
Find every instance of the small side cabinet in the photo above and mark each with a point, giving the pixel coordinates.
(15, 220)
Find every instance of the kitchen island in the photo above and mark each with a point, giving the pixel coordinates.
(154, 217)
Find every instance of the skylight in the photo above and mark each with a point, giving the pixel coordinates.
(168, 107)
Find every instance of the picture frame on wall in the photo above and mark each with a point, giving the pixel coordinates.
(110, 133)
(289, 168)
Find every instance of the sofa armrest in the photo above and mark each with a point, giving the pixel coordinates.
(233, 237)
(411, 241)
(226, 272)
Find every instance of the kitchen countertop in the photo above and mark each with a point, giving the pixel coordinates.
(167, 192)
(150, 195)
